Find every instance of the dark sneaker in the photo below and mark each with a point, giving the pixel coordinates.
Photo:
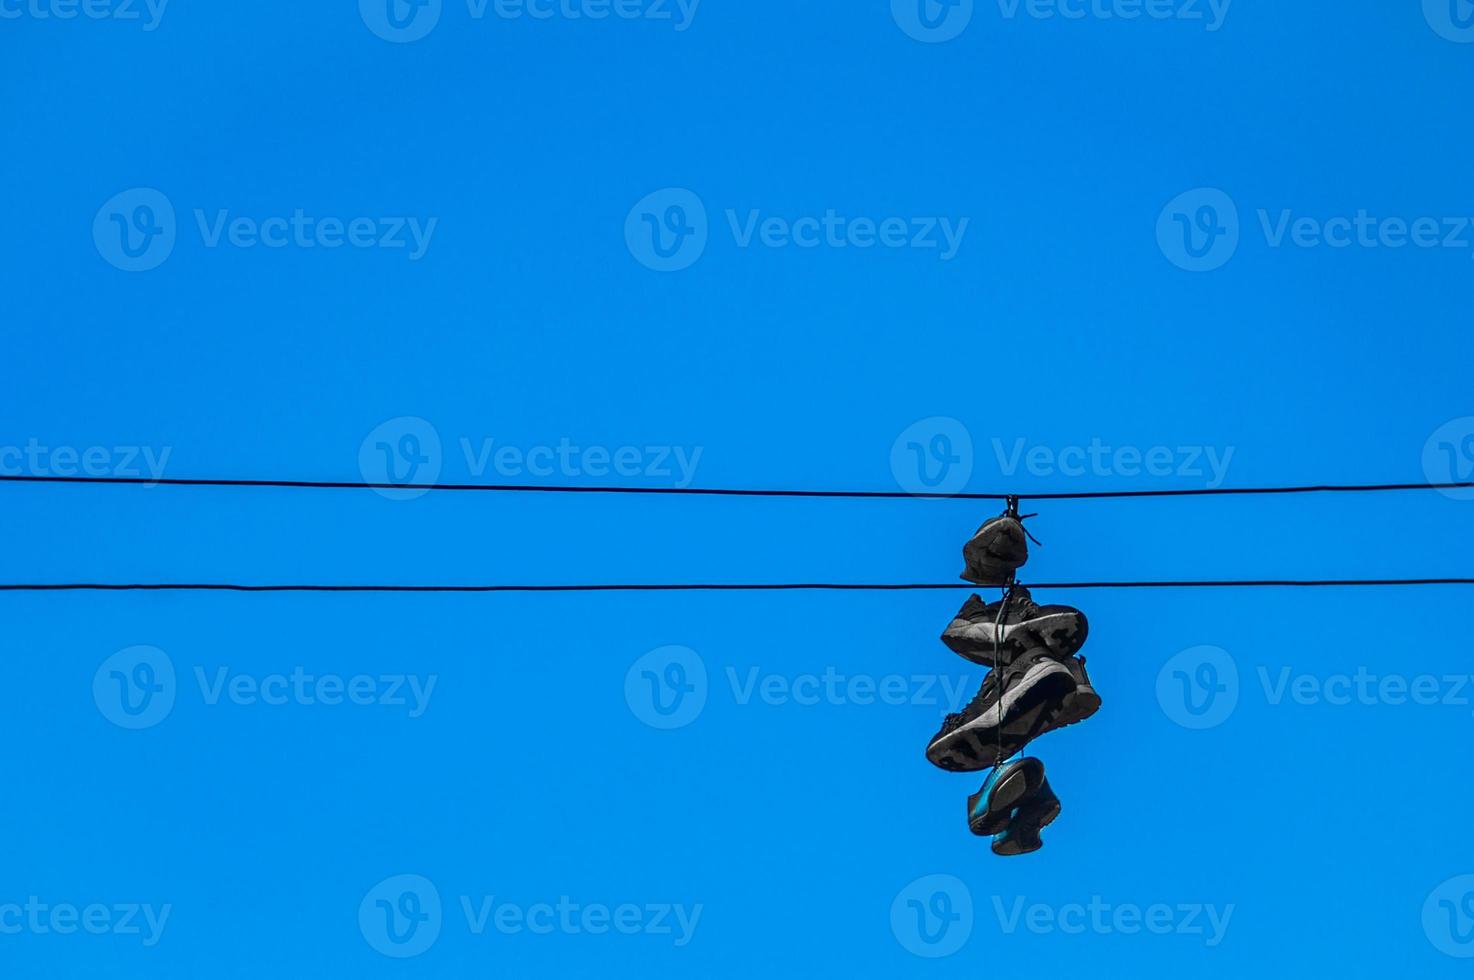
(980, 634)
(991, 808)
(1080, 703)
(1022, 833)
(1015, 705)
(996, 551)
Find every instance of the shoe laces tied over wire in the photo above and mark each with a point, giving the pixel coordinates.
(1012, 511)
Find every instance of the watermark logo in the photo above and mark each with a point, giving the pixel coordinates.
(402, 452)
(1448, 457)
(932, 456)
(1448, 917)
(400, 21)
(666, 688)
(135, 230)
(932, 916)
(1453, 20)
(135, 687)
(403, 457)
(1199, 230)
(667, 230)
(400, 917)
(1199, 687)
(932, 21)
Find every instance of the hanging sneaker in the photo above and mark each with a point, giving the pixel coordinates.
(1080, 703)
(991, 808)
(1022, 833)
(1023, 624)
(1015, 705)
(998, 549)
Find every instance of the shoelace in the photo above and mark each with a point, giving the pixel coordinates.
(997, 642)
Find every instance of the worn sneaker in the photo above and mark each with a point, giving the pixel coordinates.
(980, 634)
(1021, 836)
(1015, 705)
(991, 808)
(998, 549)
(1080, 703)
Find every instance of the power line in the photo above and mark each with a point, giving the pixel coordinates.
(719, 587)
(723, 491)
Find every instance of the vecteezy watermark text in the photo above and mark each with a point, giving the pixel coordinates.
(668, 688)
(668, 230)
(935, 456)
(147, 12)
(38, 459)
(1100, 459)
(404, 21)
(1101, 918)
(567, 459)
(403, 457)
(1200, 230)
(37, 918)
(936, 21)
(137, 230)
(1211, 13)
(402, 916)
(1200, 688)
(137, 688)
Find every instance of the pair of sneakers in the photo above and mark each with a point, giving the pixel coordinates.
(1037, 683)
(1012, 807)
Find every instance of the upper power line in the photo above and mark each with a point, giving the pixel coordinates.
(712, 587)
(729, 491)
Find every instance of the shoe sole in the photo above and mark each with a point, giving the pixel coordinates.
(974, 641)
(1025, 777)
(1077, 706)
(1013, 847)
(1027, 710)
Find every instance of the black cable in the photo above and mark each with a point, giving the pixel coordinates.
(715, 587)
(725, 492)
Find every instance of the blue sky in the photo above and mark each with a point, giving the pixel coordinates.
(993, 246)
